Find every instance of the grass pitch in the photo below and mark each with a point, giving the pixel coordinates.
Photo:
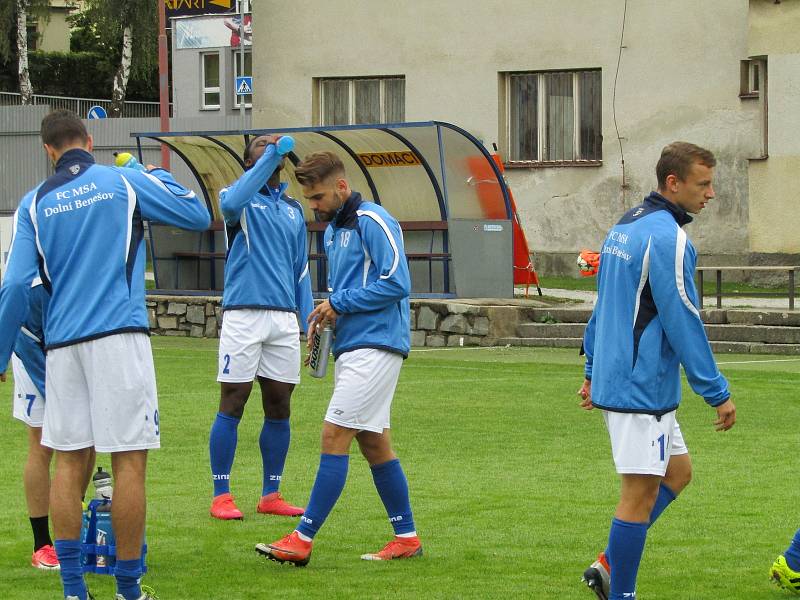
(512, 487)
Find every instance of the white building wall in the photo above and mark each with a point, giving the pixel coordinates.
(678, 79)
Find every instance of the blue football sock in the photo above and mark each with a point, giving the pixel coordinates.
(392, 486)
(222, 448)
(793, 553)
(128, 573)
(625, 545)
(69, 556)
(328, 486)
(274, 443)
(663, 500)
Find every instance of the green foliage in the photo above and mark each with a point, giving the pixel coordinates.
(36, 9)
(512, 486)
(106, 21)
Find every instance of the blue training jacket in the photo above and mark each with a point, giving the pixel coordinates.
(267, 262)
(368, 279)
(81, 230)
(29, 346)
(646, 322)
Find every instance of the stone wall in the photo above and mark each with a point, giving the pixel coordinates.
(434, 323)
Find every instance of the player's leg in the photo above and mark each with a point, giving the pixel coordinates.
(128, 519)
(641, 446)
(125, 421)
(278, 373)
(29, 408)
(239, 354)
(274, 444)
(68, 430)
(785, 571)
(37, 495)
(65, 508)
(392, 486)
(328, 485)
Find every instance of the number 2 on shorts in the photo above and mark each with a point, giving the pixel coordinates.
(226, 369)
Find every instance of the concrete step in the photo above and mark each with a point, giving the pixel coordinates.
(754, 333)
(755, 348)
(561, 315)
(544, 342)
(551, 330)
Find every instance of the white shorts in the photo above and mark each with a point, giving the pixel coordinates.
(643, 444)
(28, 400)
(364, 383)
(102, 393)
(259, 342)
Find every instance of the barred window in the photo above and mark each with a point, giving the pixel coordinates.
(554, 117)
(362, 100)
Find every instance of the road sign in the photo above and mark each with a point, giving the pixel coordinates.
(244, 85)
(97, 112)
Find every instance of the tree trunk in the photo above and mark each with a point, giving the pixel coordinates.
(25, 87)
(121, 78)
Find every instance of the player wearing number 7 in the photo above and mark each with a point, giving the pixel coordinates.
(266, 286)
(645, 325)
(28, 365)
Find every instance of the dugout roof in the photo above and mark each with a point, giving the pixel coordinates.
(424, 171)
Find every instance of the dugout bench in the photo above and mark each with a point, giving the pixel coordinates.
(440, 183)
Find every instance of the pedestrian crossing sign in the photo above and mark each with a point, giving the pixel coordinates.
(244, 86)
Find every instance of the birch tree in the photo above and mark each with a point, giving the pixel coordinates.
(14, 16)
(133, 24)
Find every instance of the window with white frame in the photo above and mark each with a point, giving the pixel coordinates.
(238, 72)
(362, 100)
(750, 78)
(554, 116)
(210, 97)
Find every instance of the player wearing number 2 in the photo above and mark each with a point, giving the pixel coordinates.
(266, 285)
(644, 326)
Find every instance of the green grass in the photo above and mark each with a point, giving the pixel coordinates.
(512, 487)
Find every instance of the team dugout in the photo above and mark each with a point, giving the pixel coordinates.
(437, 180)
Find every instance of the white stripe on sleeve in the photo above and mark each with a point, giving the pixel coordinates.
(680, 249)
(377, 218)
(642, 279)
(129, 225)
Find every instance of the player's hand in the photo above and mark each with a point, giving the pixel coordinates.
(586, 395)
(321, 316)
(3, 377)
(726, 416)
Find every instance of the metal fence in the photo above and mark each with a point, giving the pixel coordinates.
(131, 109)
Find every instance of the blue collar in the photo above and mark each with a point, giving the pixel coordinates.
(657, 201)
(75, 156)
(346, 215)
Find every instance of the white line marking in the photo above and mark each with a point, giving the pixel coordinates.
(750, 362)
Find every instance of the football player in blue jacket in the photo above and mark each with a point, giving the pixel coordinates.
(266, 286)
(28, 365)
(644, 326)
(368, 308)
(81, 231)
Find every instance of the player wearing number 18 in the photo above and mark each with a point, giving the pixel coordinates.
(368, 309)
(645, 325)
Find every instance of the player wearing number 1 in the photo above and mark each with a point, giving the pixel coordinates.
(644, 326)
(266, 285)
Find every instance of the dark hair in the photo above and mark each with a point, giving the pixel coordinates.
(317, 167)
(677, 158)
(63, 127)
(248, 147)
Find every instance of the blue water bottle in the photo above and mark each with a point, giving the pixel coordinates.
(104, 533)
(128, 161)
(284, 145)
